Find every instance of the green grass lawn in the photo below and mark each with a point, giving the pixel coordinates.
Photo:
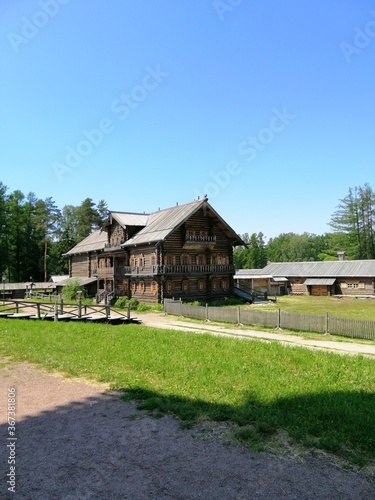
(340, 308)
(321, 400)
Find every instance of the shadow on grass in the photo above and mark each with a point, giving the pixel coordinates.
(341, 423)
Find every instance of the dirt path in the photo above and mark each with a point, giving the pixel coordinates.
(76, 440)
(160, 320)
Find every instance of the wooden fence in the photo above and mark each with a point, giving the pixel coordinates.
(19, 309)
(278, 319)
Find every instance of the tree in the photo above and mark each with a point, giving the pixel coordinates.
(291, 247)
(254, 255)
(87, 218)
(4, 262)
(46, 218)
(354, 217)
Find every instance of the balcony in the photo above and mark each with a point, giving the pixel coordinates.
(103, 272)
(197, 269)
(197, 241)
(169, 270)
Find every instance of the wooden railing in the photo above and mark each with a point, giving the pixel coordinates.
(118, 272)
(197, 269)
(200, 239)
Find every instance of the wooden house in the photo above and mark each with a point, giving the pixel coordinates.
(340, 277)
(184, 252)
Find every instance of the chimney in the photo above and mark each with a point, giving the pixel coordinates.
(341, 255)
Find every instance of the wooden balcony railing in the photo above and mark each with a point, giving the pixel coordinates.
(103, 272)
(200, 239)
(122, 271)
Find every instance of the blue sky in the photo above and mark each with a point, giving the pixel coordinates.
(267, 107)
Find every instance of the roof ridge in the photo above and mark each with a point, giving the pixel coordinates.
(127, 213)
(180, 205)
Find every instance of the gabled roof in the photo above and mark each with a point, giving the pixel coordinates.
(163, 222)
(126, 219)
(94, 241)
(322, 269)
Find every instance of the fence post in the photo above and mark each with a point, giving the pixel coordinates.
(128, 311)
(38, 310)
(180, 306)
(238, 315)
(61, 305)
(16, 307)
(55, 313)
(278, 327)
(207, 312)
(107, 311)
(79, 301)
(327, 323)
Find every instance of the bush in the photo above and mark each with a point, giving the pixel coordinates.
(121, 302)
(143, 307)
(133, 304)
(69, 292)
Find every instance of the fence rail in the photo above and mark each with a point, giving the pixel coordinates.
(277, 319)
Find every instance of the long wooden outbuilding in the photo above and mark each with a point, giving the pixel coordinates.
(339, 277)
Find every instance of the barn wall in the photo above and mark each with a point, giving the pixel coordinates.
(355, 286)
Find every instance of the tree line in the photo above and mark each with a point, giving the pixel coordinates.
(35, 233)
(352, 226)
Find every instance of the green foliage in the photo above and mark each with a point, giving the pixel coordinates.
(143, 307)
(70, 291)
(133, 304)
(254, 255)
(354, 217)
(121, 302)
(319, 399)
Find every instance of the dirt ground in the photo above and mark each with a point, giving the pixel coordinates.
(77, 440)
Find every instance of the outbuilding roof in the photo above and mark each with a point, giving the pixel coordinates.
(323, 269)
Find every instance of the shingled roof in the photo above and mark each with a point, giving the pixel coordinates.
(93, 242)
(163, 222)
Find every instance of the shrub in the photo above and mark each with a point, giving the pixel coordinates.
(69, 292)
(121, 302)
(143, 307)
(133, 304)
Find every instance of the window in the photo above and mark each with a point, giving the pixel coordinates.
(141, 287)
(185, 259)
(132, 260)
(221, 260)
(201, 285)
(185, 286)
(201, 260)
(141, 260)
(353, 285)
(153, 259)
(154, 288)
(224, 284)
(133, 287)
(215, 285)
(169, 286)
(169, 259)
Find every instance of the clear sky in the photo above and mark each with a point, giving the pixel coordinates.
(267, 107)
